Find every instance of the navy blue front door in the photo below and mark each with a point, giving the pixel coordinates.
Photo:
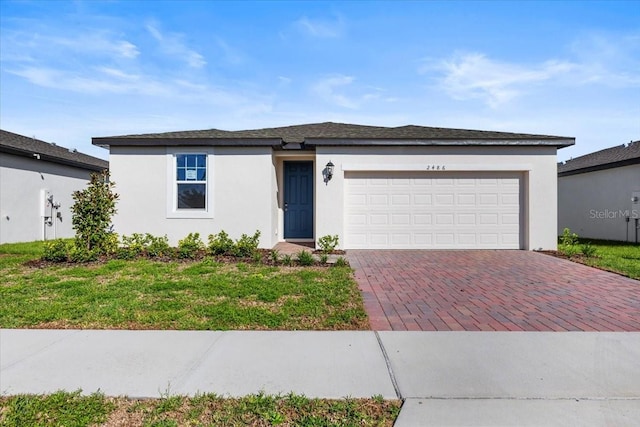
(298, 200)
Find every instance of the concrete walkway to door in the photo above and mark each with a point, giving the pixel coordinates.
(485, 290)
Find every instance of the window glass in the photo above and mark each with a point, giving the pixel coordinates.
(191, 177)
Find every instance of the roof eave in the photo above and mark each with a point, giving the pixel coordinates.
(45, 157)
(560, 142)
(594, 168)
(106, 142)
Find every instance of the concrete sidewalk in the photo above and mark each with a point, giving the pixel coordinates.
(445, 378)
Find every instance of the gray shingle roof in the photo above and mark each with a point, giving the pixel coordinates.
(337, 134)
(622, 155)
(23, 145)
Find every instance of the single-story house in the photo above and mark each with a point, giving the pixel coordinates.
(599, 194)
(37, 180)
(374, 187)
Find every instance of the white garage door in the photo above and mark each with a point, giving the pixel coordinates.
(445, 210)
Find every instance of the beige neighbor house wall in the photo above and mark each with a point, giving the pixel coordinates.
(536, 164)
(22, 204)
(597, 204)
(240, 190)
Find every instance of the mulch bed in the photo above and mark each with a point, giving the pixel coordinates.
(265, 259)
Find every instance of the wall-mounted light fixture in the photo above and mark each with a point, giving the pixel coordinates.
(330, 166)
(327, 172)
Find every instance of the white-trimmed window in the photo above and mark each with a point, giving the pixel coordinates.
(189, 183)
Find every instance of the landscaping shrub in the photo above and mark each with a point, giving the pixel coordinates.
(246, 246)
(135, 244)
(55, 250)
(305, 258)
(126, 252)
(274, 255)
(286, 260)
(328, 243)
(190, 246)
(588, 250)
(220, 244)
(568, 238)
(92, 210)
(158, 246)
(341, 262)
(80, 253)
(568, 243)
(324, 258)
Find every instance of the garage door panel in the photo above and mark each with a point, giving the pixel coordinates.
(467, 199)
(466, 219)
(422, 199)
(429, 210)
(444, 199)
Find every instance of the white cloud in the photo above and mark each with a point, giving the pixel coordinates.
(105, 81)
(327, 90)
(127, 50)
(340, 90)
(321, 28)
(172, 44)
(609, 60)
(473, 75)
(28, 46)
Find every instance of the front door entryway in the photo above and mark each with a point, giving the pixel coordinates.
(298, 200)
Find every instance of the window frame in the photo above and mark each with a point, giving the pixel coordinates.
(172, 183)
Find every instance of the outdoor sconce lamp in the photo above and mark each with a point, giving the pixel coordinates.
(329, 170)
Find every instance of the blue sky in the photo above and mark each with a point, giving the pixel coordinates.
(70, 70)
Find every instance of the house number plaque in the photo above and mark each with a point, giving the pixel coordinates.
(435, 167)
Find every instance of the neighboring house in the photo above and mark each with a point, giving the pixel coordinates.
(599, 194)
(37, 180)
(402, 187)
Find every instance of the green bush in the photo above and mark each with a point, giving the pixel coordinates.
(92, 210)
(569, 250)
(274, 255)
(158, 246)
(324, 258)
(341, 262)
(79, 253)
(328, 243)
(220, 244)
(286, 260)
(588, 250)
(109, 245)
(135, 245)
(126, 252)
(568, 243)
(55, 251)
(246, 246)
(190, 246)
(305, 258)
(568, 238)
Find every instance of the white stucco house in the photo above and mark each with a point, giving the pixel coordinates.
(599, 194)
(375, 187)
(37, 180)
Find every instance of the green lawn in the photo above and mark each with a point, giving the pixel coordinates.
(621, 257)
(73, 409)
(197, 295)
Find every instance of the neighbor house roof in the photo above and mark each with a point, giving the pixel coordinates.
(622, 155)
(34, 148)
(336, 134)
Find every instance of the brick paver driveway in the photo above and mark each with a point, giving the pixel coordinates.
(491, 291)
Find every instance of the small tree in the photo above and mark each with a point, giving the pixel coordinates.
(92, 211)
